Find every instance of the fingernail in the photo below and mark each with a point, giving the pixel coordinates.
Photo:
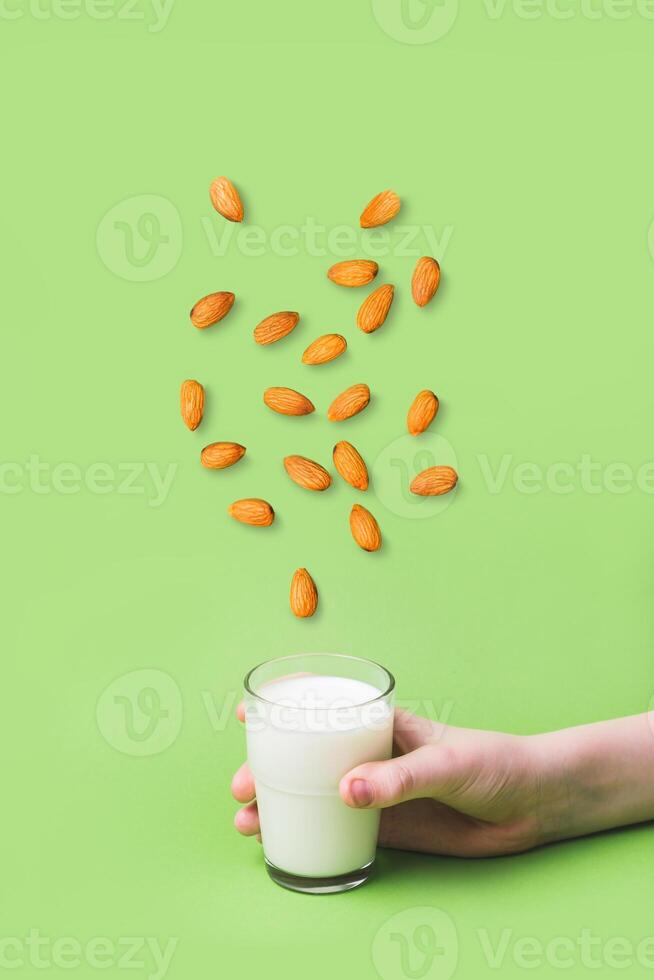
(361, 792)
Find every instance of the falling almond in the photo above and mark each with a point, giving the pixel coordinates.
(286, 401)
(434, 481)
(275, 326)
(225, 199)
(307, 473)
(426, 279)
(324, 349)
(422, 412)
(192, 403)
(365, 529)
(350, 402)
(210, 309)
(350, 465)
(374, 309)
(380, 210)
(304, 594)
(220, 455)
(252, 511)
(355, 272)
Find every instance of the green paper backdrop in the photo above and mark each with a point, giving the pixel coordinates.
(518, 135)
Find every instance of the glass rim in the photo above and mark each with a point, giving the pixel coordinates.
(337, 656)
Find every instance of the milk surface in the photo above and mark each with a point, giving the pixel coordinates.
(308, 732)
(328, 690)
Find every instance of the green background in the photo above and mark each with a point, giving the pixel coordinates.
(525, 144)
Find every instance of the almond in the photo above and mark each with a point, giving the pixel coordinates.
(422, 412)
(355, 272)
(287, 402)
(210, 309)
(426, 277)
(219, 455)
(381, 209)
(275, 326)
(253, 511)
(192, 403)
(306, 473)
(349, 403)
(304, 594)
(374, 309)
(434, 481)
(350, 465)
(365, 529)
(324, 349)
(225, 199)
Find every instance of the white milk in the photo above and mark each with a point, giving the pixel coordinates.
(299, 747)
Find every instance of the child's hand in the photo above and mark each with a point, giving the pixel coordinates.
(451, 790)
(476, 794)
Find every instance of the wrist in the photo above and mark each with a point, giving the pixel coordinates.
(593, 777)
(553, 764)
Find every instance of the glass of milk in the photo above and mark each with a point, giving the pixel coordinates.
(309, 719)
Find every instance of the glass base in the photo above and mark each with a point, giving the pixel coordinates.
(320, 886)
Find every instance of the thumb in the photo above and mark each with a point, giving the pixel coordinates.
(408, 777)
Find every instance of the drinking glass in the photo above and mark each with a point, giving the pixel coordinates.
(310, 718)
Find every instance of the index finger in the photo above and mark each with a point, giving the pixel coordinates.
(240, 711)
